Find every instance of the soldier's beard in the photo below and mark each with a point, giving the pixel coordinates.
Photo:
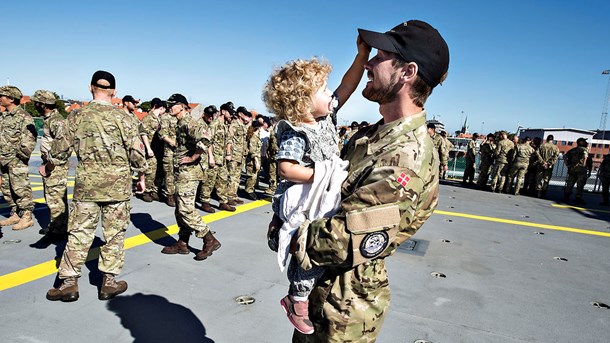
(384, 94)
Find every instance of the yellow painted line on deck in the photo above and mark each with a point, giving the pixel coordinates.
(522, 223)
(41, 270)
(580, 208)
(37, 176)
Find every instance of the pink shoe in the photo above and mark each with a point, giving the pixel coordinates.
(298, 314)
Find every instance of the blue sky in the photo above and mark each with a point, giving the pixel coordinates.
(528, 63)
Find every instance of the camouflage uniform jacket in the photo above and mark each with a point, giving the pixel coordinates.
(273, 146)
(237, 133)
(191, 135)
(439, 145)
(576, 158)
(390, 191)
(219, 144)
(448, 147)
(523, 153)
(151, 124)
(17, 135)
(549, 153)
(471, 151)
(106, 145)
(502, 149)
(168, 125)
(52, 124)
(487, 152)
(254, 148)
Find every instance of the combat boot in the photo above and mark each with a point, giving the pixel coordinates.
(68, 291)
(154, 196)
(180, 247)
(111, 288)
(147, 197)
(226, 207)
(238, 201)
(171, 200)
(231, 202)
(13, 219)
(25, 222)
(205, 207)
(210, 244)
(252, 196)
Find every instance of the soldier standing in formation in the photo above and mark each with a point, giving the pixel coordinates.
(216, 176)
(167, 134)
(253, 159)
(448, 147)
(470, 161)
(235, 152)
(521, 160)
(150, 125)
(17, 141)
(272, 151)
(576, 161)
(500, 170)
(439, 145)
(108, 149)
(400, 79)
(549, 153)
(56, 184)
(192, 142)
(487, 151)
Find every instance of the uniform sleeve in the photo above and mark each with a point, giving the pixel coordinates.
(134, 146)
(328, 242)
(442, 152)
(28, 138)
(201, 133)
(164, 129)
(61, 147)
(150, 126)
(254, 147)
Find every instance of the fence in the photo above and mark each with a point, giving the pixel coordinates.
(457, 164)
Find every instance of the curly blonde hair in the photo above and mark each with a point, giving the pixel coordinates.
(289, 91)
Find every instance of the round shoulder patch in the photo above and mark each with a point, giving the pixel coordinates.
(374, 244)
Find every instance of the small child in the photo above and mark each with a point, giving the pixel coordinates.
(307, 134)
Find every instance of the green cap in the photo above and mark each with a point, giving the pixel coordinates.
(11, 91)
(44, 96)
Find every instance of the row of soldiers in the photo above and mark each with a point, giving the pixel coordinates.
(519, 165)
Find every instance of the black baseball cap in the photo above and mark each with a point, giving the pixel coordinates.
(103, 79)
(229, 107)
(129, 98)
(414, 41)
(243, 110)
(155, 102)
(210, 110)
(177, 98)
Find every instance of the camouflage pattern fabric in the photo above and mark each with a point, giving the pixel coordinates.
(216, 177)
(83, 220)
(392, 165)
(273, 150)
(253, 158)
(191, 136)
(549, 153)
(439, 145)
(56, 197)
(523, 153)
(237, 132)
(17, 141)
(487, 159)
(151, 124)
(108, 148)
(577, 170)
(501, 166)
(470, 161)
(168, 129)
(51, 127)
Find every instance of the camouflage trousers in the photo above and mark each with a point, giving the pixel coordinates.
(350, 307)
(517, 171)
(234, 171)
(16, 188)
(484, 169)
(187, 217)
(576, 176)
(168, 172)
(56, 197)
(543, 177)
(251, 176)
(214, 178)
(499, 174)
(150, 175)
(273, 174)
(82, 223)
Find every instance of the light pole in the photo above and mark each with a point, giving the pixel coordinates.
(602, 122)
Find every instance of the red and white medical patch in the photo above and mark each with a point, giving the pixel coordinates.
(141, 146)
(403, 179)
